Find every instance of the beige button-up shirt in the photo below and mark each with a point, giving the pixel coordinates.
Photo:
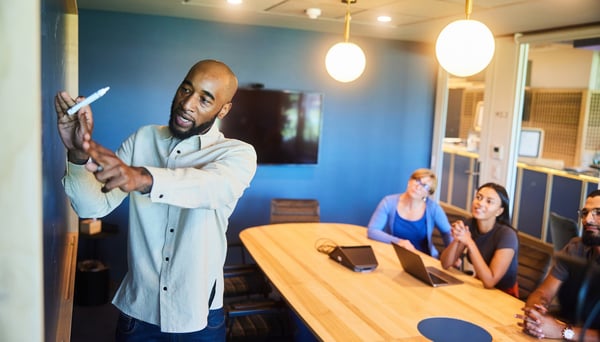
(177, 242)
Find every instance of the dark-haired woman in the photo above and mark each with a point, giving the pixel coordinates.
(491, 243)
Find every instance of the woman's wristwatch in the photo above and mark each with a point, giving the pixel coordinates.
(568, 333)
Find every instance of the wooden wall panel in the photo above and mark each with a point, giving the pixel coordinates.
(570, 119)
(559, 114)
(592, 137)
(65, 310)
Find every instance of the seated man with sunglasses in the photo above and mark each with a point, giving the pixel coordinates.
(561, 282)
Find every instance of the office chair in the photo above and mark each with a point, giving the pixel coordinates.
(247, 279)
(265, 317)
(244, 279)
(535, 258)
(562, 230)
(285, 210)
(253, 312)
(438, 242)
(258, 320)
(246, 300)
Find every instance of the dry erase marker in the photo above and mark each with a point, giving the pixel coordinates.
(88, 100)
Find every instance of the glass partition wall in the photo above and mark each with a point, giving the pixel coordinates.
(561, 101)
(556, 129)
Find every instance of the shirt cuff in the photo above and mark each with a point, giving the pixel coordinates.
(158, 192)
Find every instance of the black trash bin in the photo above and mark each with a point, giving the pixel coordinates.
(91, 283)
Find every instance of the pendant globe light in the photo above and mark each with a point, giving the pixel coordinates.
(345, 61)
(465, 47)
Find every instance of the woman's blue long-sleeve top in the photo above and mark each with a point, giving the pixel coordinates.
(381, 225)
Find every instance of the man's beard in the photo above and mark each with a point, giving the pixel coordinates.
(590, 238)
(197, 130)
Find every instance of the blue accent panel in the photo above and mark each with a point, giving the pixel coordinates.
(565, 196)
(531, 207)
(461, 181)
(591, 187)
(444, 178)
(376, 130)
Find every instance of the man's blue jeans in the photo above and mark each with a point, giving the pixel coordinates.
(130, 329)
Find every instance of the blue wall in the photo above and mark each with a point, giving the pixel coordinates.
(376, 130)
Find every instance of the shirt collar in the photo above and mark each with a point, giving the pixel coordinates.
(202, 141)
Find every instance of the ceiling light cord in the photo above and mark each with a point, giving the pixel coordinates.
(468, 8)
(345, 61)
(347, 24)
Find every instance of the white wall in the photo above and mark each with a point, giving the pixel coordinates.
(560, 66)
(497, 133)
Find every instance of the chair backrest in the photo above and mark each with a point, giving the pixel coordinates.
(453, 216)
(535, 258)
(438, 241)
(562, 230)
(284, 210)
(244, 279)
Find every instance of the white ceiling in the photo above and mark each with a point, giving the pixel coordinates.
(412, 20)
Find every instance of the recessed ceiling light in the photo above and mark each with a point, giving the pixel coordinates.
(313, 12)
(384, 18)
(234, 2)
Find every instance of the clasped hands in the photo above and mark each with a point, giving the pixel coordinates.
(460, 232)
(537, 323)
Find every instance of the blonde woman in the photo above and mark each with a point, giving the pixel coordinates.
(409, 218)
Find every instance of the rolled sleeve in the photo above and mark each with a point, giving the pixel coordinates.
(85, 193)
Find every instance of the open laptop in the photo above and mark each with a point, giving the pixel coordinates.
(413, 264)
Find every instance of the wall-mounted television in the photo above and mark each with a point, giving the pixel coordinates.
(283, 126)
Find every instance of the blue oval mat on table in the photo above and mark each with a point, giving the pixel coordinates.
(444, 329)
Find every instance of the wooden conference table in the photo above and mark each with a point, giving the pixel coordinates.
(386, 304)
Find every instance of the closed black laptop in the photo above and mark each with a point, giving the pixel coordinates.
(356, 258)
(413, 264)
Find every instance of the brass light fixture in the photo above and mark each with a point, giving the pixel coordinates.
(466, 46)
(345, 61)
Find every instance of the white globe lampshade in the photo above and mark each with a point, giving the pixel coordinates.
(465, 47)
(345, 62)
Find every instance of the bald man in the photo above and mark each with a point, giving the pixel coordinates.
(183, 182)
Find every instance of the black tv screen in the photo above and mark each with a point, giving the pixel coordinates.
(283, 126)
